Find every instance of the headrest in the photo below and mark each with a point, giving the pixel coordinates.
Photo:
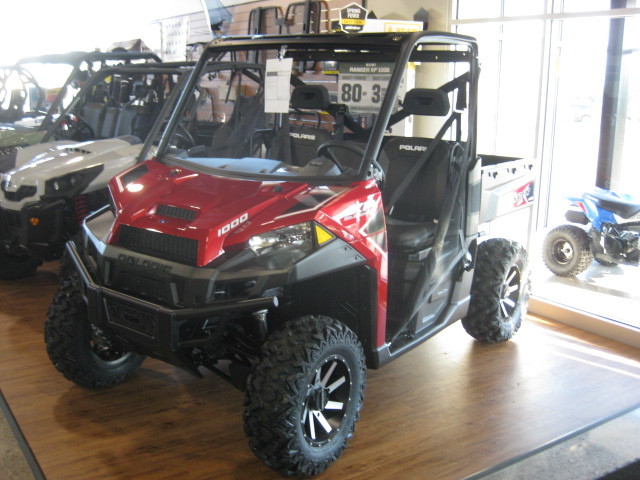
(315, 97)
(426, 101)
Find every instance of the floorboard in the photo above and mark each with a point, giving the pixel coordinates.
(447, 409)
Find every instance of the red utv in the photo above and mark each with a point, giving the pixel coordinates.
(324, 221)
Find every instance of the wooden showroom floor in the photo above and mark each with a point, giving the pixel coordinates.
(448, 409)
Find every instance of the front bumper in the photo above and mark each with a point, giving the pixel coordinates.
(39, 227)
(153, 329)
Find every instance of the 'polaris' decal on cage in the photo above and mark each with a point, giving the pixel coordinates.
(523, 195)
(413, 148)
(146, 265)
(233, 224)
(302, 136)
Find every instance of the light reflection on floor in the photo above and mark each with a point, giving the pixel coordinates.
(609, 292)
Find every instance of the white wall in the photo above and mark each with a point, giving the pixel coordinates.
(404, 10)
(37, 27)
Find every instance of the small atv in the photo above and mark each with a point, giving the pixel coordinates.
(48, 188)
(325, 222)
(605, 226)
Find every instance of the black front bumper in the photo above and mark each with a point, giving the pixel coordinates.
(149, 328)
(39, 227)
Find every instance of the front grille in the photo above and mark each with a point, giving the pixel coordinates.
(132, 318)
(176, 212)
(168, 293)
(23, 192)
(159, 245)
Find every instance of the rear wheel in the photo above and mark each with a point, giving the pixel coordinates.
(303, 399)
(566, 251)
(13, 267)
(500, 291)
(82, 352)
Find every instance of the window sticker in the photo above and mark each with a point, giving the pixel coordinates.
(277, 85)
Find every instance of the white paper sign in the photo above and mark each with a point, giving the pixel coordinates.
(362, 86)
(277, 88)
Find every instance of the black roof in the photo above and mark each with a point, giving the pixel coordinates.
(340, 38)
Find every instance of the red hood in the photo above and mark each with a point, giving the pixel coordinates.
(218, 212)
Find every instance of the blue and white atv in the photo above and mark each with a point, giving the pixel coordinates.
(605, 226)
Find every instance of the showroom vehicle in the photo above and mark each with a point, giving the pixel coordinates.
(30, 102)
(48, 188)
(605, 226)
(327, 223)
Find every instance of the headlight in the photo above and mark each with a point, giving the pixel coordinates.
(71, 183)
(294, 238)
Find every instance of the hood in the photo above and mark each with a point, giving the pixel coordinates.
(15, 135)
(58, 159)
(217, 212)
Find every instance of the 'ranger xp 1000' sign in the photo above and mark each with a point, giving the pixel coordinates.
(362, 86)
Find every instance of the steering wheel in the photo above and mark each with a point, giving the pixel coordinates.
(74, 127)
(182, 138)
(324, 150)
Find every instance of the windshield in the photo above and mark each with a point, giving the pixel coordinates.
(285, 111)
(319, 112)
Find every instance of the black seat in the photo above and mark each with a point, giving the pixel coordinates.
(301, 142)
(619, 206)
(412, 222)
(109, 123)
(93, 115)
(229, 141)
(415, 197)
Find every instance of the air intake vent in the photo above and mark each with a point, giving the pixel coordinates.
(76, 150)
(176, 212)
(159, 245)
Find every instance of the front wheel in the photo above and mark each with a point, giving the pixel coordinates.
(82, 352)
(303, 399)
(499, 292)
(566, 251)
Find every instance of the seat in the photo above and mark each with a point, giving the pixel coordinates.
(415, 197)
(230, 140)
(411, 224)
(296, 144)
(93, 115)
(619, 206)
(109, 123)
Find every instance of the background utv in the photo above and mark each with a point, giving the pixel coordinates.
(304, 238)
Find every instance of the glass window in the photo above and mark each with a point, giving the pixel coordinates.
(543, 90)
(476, 9)
(514, 8)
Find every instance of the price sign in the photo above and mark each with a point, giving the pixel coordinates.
(362, 86)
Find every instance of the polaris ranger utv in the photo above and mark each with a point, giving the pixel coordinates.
(48, 188)
(329, 225)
